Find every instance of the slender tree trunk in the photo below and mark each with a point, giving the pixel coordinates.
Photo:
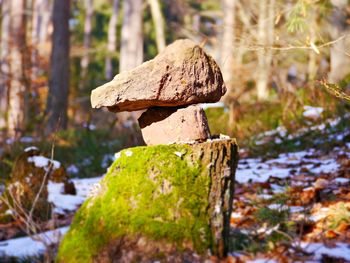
(17, 92)
(45, 16)
(265, 39)
(84, 64)
(57, 102)
(112, 40)
(228, 43)
(131, 50)
(340, 61)
(4, 60)
(36, 19)
(158, 23)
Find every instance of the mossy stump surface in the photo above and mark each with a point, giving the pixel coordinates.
(159, 202)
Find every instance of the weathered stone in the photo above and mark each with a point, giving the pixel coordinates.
(158, 203)
(161, 125)
(182, 74)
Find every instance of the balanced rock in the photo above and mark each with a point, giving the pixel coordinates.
(182, 74)
(174, 125)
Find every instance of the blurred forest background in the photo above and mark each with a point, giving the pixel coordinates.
(276, 57)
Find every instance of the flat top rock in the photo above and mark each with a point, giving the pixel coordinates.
(182, 74)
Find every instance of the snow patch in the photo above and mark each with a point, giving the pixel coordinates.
(179, 154)
(63, 202)
(43, 162)
(31, 148)
(72, 169)
(128, 153)
(340, 250)
(26, 246)
(312, 112)
(117, 155)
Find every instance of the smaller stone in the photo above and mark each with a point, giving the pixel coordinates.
(161, 125)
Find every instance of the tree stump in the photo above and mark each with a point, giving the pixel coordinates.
(161, 202)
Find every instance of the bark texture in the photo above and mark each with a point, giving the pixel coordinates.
(158, 203)
(85, 60)
(4, 62)
(158, 23)
(45, 20)
(181, 75)
(17, 88)
(131, 49)
(339, 58)
(265, 38)
(112, 39)
(57, 101)
(228, 42)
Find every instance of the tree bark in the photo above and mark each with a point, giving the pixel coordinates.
(339, 60)
(228, 44)
(44, 21)
(17, 91)
(158, 22)
(36, 19)
(131, 50)
(265, 39)
(112, 40)
(4, 60)
(84, 64)
(57, 101)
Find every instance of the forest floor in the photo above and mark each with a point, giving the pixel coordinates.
(292, 199)
(294, 207)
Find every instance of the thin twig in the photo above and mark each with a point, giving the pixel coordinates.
(257, 48)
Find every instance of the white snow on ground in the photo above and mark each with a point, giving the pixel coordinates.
(83, 186)
(72, 169)
(312, 112)
(31, 148)
(63, 202)
(257, 170)
(262, 260)
(340, 250)
(26, 246)
(42, 161)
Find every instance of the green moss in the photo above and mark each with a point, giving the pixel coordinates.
(160, 192)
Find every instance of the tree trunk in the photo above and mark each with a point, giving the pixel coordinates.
(17, 92)
(57, 101)
(84, 64)
(112, 39)
(265, 39)
(131, 50)
(340, 61)
(36, 16)
(158, 22)
(4, 60)
(171, 200)
(228, 44)
(44, 21)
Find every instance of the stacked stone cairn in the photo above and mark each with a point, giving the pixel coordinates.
(168, 88)
(169, 201)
